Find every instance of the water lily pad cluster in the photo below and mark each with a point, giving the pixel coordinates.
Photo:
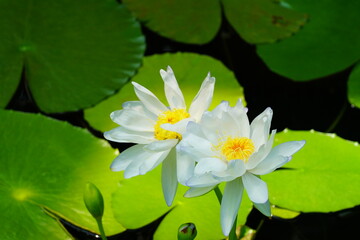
(82, 55)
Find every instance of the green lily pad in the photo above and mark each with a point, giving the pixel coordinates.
(190, 70)
(324, 176)
(73, 53)
(139, 201)
(187, 21)
(262, 21)
(284, 213)
(354, 86)
(256, 21)
(45, 164)
(327, 44)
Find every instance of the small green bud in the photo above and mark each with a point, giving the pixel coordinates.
(94, 201)
(187, 231)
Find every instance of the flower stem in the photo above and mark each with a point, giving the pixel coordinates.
(101, 229)
(338, 118)
(232, 235)
(218, 194)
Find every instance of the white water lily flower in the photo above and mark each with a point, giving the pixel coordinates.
(156, 129)
(225, 147)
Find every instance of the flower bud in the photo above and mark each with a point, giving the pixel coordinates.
(94, 201)
(187, 231)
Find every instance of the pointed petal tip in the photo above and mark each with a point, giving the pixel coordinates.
(169, 199)
(226, 230)
(209, 78)
(168, 203)
(106, 135)
(162, 72)
(167, 71)
(114, 169)
(113, 166)
(186, 195)
(134, 83)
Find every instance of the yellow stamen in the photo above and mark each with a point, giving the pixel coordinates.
(236, 148)
(170, 116)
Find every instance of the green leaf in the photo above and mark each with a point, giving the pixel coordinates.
(283, 213)
(321, 177)
(262, 21)
(74, 53)
(139, 201)
(187, 21)
(327, 44)
(354, 86)
(190, 70)
(45, 164)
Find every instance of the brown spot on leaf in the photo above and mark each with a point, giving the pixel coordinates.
(279, 21)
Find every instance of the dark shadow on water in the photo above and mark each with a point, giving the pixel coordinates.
(143, 233)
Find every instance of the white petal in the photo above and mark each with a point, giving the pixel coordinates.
(228, 126)
(185, 166)
(210, 126)
(195, 192)
(206, 165)
(162, 145)
(203, 98)
(150, 101)
(139, 107)
(178, 127)
(239, 114)
(191, 151)
(205, 180)
(143, 161)
(260, 128)
(224, 106)
(133, 120)
(261, 154)
(240, 106)
(255, 187)
(235, 169)
(152, 162)
(230, 204)
(279, 155)
(173, 93)
(269, 164)
(198, 143)
(122, 161)
(194, 128)
(288, 148)
(264, 208)
(121, 134)
(169, 178)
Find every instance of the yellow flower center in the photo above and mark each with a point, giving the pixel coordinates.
(236, 148)
(170, 116)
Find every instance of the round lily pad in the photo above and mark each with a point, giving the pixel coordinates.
(263, 21)
(72, 54)
(321, 177)
(327, 44)
(190, 70)
(354, 86)
(187, 21)
(45, 165)
(139, 201)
